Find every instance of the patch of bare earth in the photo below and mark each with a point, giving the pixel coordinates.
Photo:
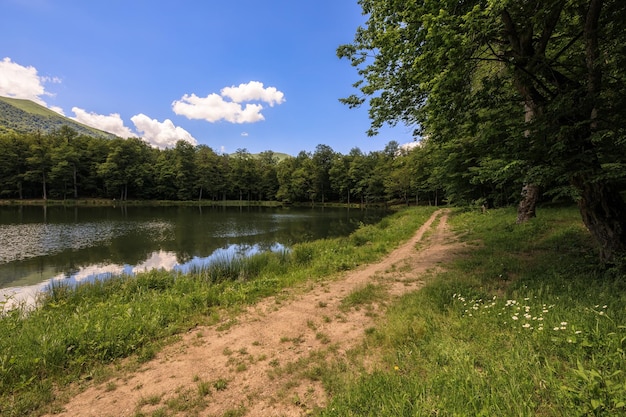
(261, 364)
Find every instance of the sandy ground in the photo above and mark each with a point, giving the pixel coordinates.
(255, 365)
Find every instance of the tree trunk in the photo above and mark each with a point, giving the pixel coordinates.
(601, 206)
(75, 182)
(526, 209)
(43, 181)
(602, 210)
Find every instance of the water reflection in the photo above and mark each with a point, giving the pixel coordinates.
(159, 260)
(74, 245)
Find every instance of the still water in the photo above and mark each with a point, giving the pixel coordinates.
(42, 245)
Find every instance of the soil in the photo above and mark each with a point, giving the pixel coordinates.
(262, 363)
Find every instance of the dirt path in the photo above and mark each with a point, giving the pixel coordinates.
(262, 364)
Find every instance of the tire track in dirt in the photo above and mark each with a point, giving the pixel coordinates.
(256, 365)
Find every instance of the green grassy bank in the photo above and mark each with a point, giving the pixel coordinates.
(526, 324)
(77, 331)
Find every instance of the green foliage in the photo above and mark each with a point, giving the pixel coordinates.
(525, 323)
(505, 93)
(66, 164)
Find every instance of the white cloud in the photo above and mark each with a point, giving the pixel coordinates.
(58, 110)
(112, 123)
(161, 134)
(17, 81)
(244, 134)
(253, 91)
(214, 107)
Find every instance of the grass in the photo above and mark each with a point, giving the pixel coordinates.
(76, 332)
(368, 294)
(526, 323)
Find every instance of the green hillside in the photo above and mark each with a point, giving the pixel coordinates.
(25, 116)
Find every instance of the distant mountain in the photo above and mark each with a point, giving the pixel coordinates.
(279, 156)
(25, 116)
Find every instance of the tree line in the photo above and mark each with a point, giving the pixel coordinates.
(66, 165)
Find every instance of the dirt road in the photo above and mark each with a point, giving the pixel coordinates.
(262, 364)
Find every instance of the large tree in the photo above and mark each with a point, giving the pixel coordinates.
(444, 64)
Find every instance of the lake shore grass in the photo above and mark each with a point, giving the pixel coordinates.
(76, 332)
(526, 323)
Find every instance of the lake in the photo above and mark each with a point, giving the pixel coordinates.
(41, 245)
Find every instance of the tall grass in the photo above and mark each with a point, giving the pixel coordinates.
(77, 330)
(527, 323)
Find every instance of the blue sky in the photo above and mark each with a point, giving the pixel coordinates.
(230, 74)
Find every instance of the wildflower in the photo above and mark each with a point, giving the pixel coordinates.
(396, 368)
(557, 328)
(578, 332)
(563, 323)
(515, 317)
(604, 306)
(526, 325)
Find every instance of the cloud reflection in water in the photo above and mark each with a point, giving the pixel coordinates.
(159, 260)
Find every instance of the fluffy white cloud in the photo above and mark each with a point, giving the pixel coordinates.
(215, 107)
(253, 91)
(17, 81)
(112, 123)
(161, 134)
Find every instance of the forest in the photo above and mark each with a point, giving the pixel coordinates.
(66, 165)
